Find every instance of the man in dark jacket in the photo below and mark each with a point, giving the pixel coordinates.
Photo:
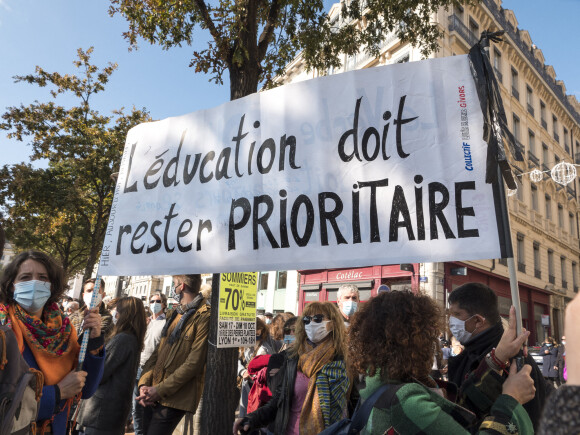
(475, 321)
(173, 377)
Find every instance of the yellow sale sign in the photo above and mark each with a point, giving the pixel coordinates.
(237, 309)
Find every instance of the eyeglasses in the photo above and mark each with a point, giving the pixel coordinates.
(317, 318)
(155, 301)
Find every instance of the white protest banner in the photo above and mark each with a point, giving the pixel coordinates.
(383, 165)
(237, 309)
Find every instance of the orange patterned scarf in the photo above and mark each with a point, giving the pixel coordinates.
(51, 339)
(310, 363)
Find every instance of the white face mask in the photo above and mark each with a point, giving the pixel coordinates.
(87, 298)
(114, 316)
(155, 307)
(457, 328)
(349, 307)
(316, 332)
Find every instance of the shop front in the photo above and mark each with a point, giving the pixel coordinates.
(534, 302)
(323, 285)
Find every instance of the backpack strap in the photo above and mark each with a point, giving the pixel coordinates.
(362, 412)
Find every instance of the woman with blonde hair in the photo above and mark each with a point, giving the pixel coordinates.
(312, 394)
(107, 411)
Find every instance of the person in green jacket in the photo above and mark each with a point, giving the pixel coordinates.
(393, 339)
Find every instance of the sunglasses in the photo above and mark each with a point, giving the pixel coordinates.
(155, 301)
(317, 319)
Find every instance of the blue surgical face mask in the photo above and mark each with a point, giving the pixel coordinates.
(155, 307)
(349, 307)
(289, 339)
(31, 295)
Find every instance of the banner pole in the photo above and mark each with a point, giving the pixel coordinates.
(87, 332)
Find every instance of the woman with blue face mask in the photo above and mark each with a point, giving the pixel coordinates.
(30, 288)
(549, 351)
(313, 391)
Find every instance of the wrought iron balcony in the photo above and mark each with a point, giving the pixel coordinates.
(456, 25)
(537, 273)
(552, 279)
(521, 267)
(545, 167)
(571, 191)
(530, 110)
(544, 123)
(533, 158)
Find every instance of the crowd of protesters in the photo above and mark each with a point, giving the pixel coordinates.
(145, 364)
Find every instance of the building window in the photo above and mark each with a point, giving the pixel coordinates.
(263, 285)
(543, 115)
(551, 277)
(281, 280)
(532, 142)
(530, 100)
(520, 189)
(566, 145)
(534, 190)
(497, 64)
(555, 128)
(521, 254)
(572, 222)
(474, 28)
(537, 261)
(548, 207)
(561, 216)
(575, 276)
(563, 270)
(545, 158)
(516, 128)
(515, 87)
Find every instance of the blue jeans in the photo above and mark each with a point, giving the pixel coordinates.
(137, 409)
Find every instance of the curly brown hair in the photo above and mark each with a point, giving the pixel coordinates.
(397, 333)
(56, 276)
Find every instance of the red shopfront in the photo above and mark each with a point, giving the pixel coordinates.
(322, 285)
(534, 301)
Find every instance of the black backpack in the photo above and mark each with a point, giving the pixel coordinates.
(20, 388)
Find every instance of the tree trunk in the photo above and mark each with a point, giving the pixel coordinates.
(219, 393)
(243, 81)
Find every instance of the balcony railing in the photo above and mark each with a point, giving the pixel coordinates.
(521, 267)
(515, 93)
(571, 191)
(537, 273)
(533, 158)
(564, 284)
(552, 279)
(557, 137)
(456, 25)
(530, 110)
(545, 167)
(544, 124)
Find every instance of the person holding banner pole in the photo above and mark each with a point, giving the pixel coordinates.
(30, 287)
(475, 321)
(173, 377)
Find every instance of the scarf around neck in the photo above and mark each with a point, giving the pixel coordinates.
(475, 350)
(186, 312)
(51, 339)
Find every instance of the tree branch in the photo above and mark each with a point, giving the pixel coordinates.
(266, 36)
(217, 37)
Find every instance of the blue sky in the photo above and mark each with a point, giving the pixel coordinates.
(48, 33)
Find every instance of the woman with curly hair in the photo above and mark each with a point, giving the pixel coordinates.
(392, 340)
(312, 394)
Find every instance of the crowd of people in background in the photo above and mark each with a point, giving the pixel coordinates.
(145, 363)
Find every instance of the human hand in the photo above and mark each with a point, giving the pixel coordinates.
(93, 322)
(238, 424)
(246, 375)
(510, 344)
(520, 385)
(72, 384)
(572, 328)
(143, 398)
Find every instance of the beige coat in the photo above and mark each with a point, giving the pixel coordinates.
(184, 368)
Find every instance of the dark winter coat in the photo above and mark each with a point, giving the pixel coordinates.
(550, 361)
(562, 412)
(107, 411)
